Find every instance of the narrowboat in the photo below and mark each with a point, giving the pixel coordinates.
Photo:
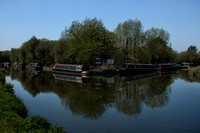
(35, 66)
(137, 69)
(166, 67)
(7, 64)
(19, 66)
(71, 69)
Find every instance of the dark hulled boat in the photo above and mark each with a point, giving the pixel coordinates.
(137, 69)
(71, 69)
(19, 66)
(166, 67)
(35, 66)
(7, 64)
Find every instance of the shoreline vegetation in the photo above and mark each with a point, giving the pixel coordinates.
(85, 42)
(195, 72)
(13, 113)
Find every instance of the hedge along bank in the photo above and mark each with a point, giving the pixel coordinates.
(13, 113)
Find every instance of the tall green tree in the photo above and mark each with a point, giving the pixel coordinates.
(192, 54)
(129, 35)
(87, 41)
(4, 56)
(28, 50)
(156, 32)
(14, 54)
(160, 52)
(44, 52)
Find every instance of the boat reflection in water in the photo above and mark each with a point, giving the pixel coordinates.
(70, 78)
(150, 75)
(34, 72)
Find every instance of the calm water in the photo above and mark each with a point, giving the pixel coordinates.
(166, 103)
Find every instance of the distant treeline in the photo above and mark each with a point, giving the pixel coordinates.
(83, 42)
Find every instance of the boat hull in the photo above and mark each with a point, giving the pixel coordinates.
(137, 71)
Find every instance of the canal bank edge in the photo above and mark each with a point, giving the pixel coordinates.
(195, 71)
(13, 113)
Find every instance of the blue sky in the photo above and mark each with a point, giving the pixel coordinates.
(21, 19)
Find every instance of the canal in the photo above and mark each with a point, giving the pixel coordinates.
(167, 102)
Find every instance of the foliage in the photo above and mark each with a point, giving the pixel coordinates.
(87, 41)
(129, 38)
(143, 47)
(190, 56)
(45, 52)
(159, 51)
(9, 102)
(4, 56)
(14, 54)
(13, 114)
(2, 77)
(83, 42)
(36, 122)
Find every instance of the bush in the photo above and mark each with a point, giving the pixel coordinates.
(2, 77)
(13, 114)
(6, 88)
(36, 122)
(10, 122)
(9, 102)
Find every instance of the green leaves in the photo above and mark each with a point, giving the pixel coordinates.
(86, 41)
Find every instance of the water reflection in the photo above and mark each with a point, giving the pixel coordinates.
(153, 92)
(70, 78)
(92, 98)
(188, 76)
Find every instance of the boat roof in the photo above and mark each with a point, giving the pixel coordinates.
(68, 64)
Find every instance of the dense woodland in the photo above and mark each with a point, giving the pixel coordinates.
(83, 42)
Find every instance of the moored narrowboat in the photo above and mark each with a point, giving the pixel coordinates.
(166, 67)
(7, 64)
(137, 69)
(19, 66)
(71, 69)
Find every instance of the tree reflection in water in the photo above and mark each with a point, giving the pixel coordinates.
(91, 99)
(153, 92)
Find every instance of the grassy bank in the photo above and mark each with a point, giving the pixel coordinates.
(195, 71)
(13, 113)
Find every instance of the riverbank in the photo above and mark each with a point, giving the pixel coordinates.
(13, 113)
(195, 71)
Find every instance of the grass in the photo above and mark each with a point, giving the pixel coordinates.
(13, 114)
(195, 71)
(103, 68)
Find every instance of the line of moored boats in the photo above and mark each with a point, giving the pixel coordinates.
(83, 70)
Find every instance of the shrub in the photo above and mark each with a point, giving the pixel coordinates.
(36, 122)
(2, 77)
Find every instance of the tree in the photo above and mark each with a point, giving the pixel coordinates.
(156, 32)
(44, 52)
(87, 41)
(4, 56)
(160, 52)
(192, 54)
(14, 54)
(129, 36)
(28, 50)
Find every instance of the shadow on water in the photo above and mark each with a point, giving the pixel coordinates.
(92, 98)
